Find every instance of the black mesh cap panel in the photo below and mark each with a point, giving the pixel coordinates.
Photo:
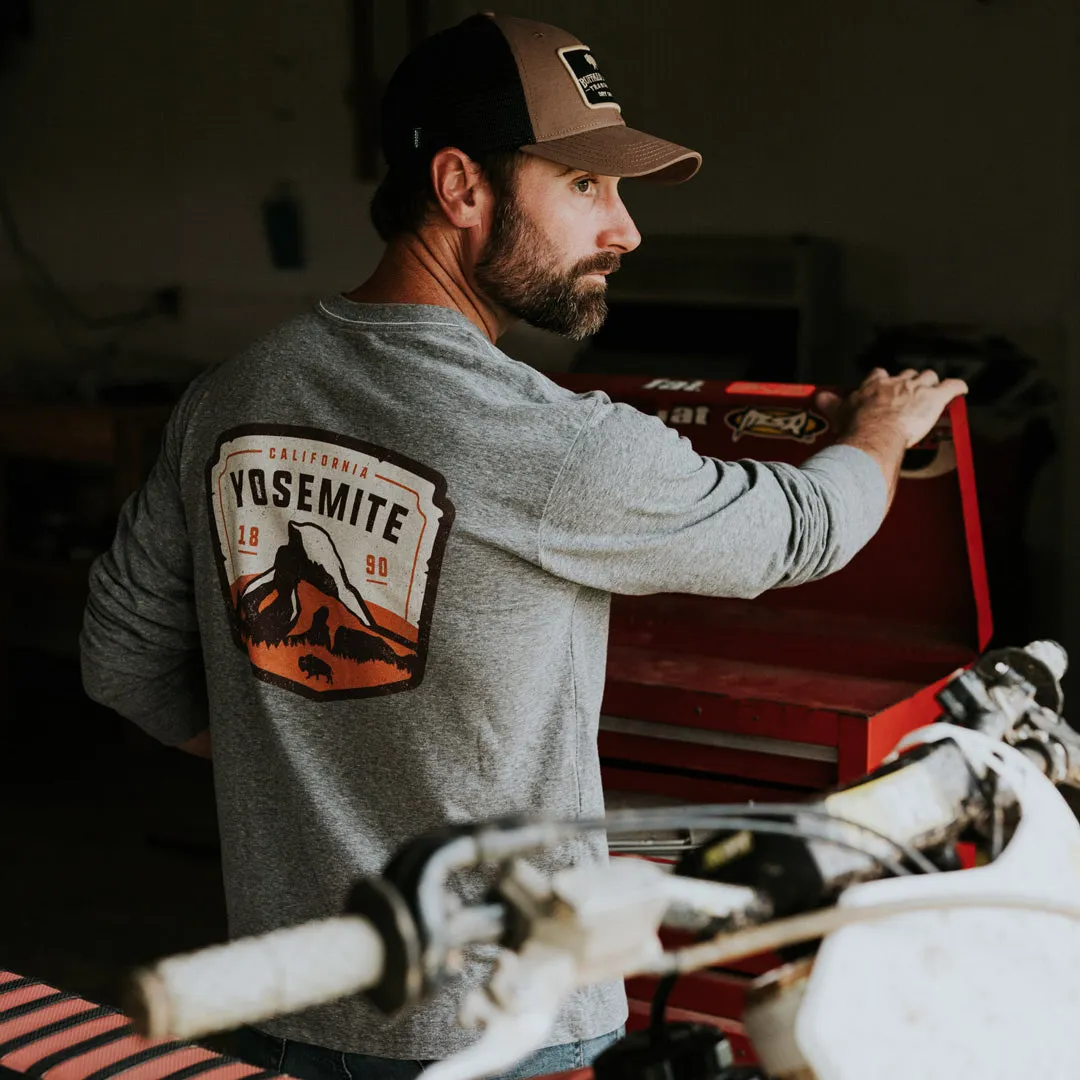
(459, 88)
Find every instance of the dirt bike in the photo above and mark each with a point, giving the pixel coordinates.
(897, 958)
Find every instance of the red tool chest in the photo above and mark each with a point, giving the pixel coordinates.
(801, 688)
(721, 700)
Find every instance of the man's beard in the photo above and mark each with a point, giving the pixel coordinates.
(517, 271)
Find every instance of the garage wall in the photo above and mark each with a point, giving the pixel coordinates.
(935, 141)
(930, 139)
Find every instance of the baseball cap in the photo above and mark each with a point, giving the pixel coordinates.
(500, 83)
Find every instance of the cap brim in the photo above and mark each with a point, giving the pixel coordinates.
(618, 150)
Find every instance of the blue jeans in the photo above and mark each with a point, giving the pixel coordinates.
(308, 1062)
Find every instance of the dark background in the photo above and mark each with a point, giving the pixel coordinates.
(175, 179)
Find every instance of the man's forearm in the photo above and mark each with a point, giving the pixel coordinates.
(885, 443)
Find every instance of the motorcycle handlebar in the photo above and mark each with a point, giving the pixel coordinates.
(256, 978)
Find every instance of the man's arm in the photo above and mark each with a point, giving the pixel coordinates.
(636, 509)
(139, 646)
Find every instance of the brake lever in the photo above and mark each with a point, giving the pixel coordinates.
(1015, 695)
(517, 1009)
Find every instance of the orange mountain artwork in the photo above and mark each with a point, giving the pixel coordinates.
(330, 550)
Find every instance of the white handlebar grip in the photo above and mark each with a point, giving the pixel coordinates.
(256, 978)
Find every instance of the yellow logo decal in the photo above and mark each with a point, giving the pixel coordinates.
(776, 422)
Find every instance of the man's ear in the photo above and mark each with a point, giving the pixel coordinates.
(460, 188)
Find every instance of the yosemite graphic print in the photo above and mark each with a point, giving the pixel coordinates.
(329, 552)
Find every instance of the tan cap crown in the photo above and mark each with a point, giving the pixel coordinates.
(500, 83)
(576, 118)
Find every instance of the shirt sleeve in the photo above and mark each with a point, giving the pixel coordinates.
(139, 646)
(635, 509)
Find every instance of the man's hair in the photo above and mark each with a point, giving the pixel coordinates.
(402, 201)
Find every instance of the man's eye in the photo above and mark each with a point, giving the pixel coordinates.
(584, 185)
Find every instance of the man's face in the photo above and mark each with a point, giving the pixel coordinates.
(554, 237)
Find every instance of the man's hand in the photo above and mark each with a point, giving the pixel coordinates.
(911, 402)
(199, 745)
(889, 414)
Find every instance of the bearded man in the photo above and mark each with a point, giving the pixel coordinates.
(375, 558)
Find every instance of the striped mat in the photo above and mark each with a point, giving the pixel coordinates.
(53, 1035)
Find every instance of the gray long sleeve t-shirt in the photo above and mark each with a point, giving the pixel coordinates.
(375, 557)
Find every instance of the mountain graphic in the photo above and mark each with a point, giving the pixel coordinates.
(305, 620)
(309, 555)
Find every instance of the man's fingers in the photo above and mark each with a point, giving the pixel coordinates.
(940, 395)
(876, 375)
(828, 402)
(946, 390)
(929, 377)
(952, 388)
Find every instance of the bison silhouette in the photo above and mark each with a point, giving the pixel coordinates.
(316, 669)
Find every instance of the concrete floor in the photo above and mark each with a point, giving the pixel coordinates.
(108, 854)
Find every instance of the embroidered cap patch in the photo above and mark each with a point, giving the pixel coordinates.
(591, 83)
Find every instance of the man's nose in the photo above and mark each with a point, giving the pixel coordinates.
(620, 232)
